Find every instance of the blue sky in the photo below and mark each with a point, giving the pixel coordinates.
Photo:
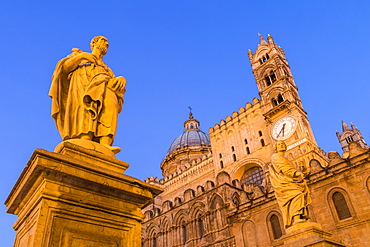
(176, 54)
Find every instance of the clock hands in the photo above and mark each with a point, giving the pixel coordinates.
(281, 131)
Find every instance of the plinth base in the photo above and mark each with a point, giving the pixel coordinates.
(78, 197)
(306, 235)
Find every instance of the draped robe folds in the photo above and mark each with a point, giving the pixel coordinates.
(291, 190)
(85, 100)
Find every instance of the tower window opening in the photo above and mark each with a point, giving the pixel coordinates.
(234, 157)
(232, 148)
(349, 139)
(274, 102)
(267, 56)
(272, 76)
(261, 61)
(248, 151)
(220, 155)
(268, 81)
(245, 141)
(260, 133)
(280, 98)
(262, 142)
(221, 164)
(253, 175)
(341, 206)
(264, 59)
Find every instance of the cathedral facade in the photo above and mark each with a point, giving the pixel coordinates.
(217, 190)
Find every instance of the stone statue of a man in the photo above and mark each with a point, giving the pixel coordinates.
(291, 190)
(87, 96)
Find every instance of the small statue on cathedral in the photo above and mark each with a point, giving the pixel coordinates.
(291, 190)
(87, 96)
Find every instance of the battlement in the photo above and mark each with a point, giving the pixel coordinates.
(235, 116)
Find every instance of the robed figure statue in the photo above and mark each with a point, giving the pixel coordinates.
(291, 190)
(87, 96)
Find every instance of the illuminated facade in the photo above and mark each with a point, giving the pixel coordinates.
(216, 187)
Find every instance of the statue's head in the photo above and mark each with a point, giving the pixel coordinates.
(100, 43)
(279, 146)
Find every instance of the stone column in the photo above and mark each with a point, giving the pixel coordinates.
(78, 196)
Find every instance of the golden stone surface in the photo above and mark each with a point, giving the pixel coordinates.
(291, 190)
(87, 96)
(78, 197)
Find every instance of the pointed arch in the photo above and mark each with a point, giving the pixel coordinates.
(216, 201)
(164, 239)
(180, 216)
(196, 209)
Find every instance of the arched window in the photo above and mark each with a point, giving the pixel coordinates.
(253, 175)
(262, 142)
(275, 226)
(200, 227)
(232, 148)
(274, 102)
(248, 151)
(234, 157)
(268, 81)
(260, 133)
(280, 99)
(221, 164)
(183, 232)
(220, 155)
(272, 76)
(245, 141)
(154, 242)
(341, 206)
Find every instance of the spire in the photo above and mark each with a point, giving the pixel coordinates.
(345, 126)
(262, 40)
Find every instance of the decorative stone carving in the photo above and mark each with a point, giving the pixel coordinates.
(87, 96)
(290, 187)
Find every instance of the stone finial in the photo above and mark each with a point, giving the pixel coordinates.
(262, 40)
(270, 39)
(250, 55)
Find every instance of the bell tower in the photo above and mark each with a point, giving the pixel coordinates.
(281, 105)
(350, 134)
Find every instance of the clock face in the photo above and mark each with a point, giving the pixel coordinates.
(284, 128)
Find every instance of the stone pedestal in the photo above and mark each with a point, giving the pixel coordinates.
(76, 197)
(307, 235)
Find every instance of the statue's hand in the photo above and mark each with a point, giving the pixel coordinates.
(299, 174)
(117, 84)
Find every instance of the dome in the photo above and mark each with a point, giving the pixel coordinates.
(191, 136)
